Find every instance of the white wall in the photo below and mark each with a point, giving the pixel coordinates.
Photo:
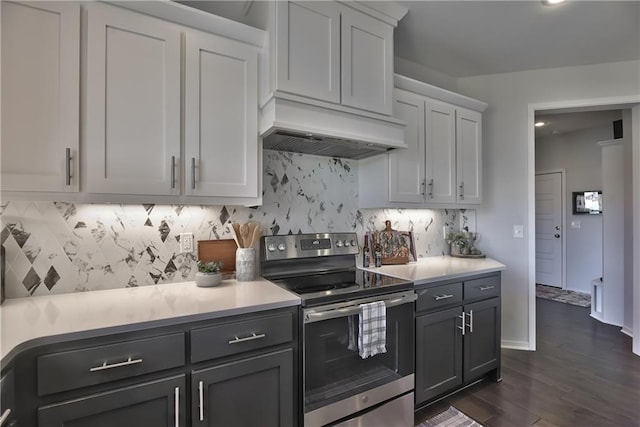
(580, 156)
(629, 212)
(508, 166)
(424, 74)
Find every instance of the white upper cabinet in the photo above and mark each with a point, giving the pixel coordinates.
(221, 123)
(40, 96)
(442, 164)
(440, 149)
(469, 156)
(367, 62)
(308, 49)
(331, 51)
(133, 103)
(407, 166)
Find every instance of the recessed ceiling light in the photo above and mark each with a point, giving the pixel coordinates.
(552, 2)
(539, 124)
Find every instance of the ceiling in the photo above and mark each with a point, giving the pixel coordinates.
(562, 123)
(467, 38)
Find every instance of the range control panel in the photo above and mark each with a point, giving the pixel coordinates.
(309, 245)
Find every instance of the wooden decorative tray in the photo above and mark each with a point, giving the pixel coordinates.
(219, 250)
(468, 256)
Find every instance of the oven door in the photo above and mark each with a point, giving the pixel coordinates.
(338, 383)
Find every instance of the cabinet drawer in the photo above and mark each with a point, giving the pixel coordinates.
(485, 287)
(100, 364)
(439, 296)
(237, 337)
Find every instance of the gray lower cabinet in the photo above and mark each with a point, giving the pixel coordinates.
(255, 391)
(7, 400)
(233, 371)
(157, 403)
(457, 335)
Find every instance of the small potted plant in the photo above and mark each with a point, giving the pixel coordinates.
(209, 273)
(458, 242)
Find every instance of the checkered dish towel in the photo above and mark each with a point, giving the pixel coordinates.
(373, 329)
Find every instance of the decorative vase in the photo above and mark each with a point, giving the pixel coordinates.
(245, 264)
(208, 279)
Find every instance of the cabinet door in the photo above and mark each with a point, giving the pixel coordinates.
(440, 142)
(40, 96)
(406, 166)
(221, 117)
(157, 403)
(257, 391)
(367, 62)
(133, 103)
(469, 156)
(308, 49)
(438, 353)
(7, 400)
(482, 340)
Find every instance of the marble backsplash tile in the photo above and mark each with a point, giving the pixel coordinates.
(60, 247)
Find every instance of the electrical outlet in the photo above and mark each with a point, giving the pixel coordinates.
(444, 232)
(518, 231)
(186, 242)
(575, 224)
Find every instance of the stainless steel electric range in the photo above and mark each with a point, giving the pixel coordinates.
(341, 387)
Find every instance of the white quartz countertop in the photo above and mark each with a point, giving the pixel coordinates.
(25, 319)
(434, 269)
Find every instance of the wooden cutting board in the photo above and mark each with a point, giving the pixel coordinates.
(219, 250)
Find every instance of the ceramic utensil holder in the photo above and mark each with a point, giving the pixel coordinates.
(245, 264)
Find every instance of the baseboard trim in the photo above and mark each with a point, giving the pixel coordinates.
(627, 331)
(515, 345)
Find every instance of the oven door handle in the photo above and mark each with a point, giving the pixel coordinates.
(341, 310)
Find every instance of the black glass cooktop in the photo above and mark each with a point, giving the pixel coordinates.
(323, 288)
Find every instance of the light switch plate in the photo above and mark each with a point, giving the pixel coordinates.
(518, 231)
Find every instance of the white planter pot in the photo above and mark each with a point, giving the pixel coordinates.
(208, 279)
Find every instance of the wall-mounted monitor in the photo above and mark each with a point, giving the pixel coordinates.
(587, 202)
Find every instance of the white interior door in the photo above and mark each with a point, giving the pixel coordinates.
(549, 233)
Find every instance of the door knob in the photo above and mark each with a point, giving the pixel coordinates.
(557, 236)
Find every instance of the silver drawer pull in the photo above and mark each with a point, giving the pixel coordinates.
(5, 416)
(176, 409)
(104, 366)
(441, 297)
(249, 338)
(486, 288)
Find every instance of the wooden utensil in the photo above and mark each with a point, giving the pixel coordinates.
(244, 235)
(236, 234)
(255, 235)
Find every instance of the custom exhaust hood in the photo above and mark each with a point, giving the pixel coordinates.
(301, 125)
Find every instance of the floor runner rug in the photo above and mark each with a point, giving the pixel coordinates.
(450, 418)
(559, 295)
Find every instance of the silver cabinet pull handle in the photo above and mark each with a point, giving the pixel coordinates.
(173, 171)
(193, 173)
(67, 163)
(486, 288)
(5, 416)
(201, 395)
(464, 323)
(104, 366)
(251, 337)
(431, 188)
(470, 324)
(441, 297)
(462, 191)
(177, 406)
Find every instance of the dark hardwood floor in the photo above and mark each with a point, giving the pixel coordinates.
(582, 374)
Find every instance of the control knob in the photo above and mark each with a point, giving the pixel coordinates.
(281, 247)
(271, 247)
(339, 243)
